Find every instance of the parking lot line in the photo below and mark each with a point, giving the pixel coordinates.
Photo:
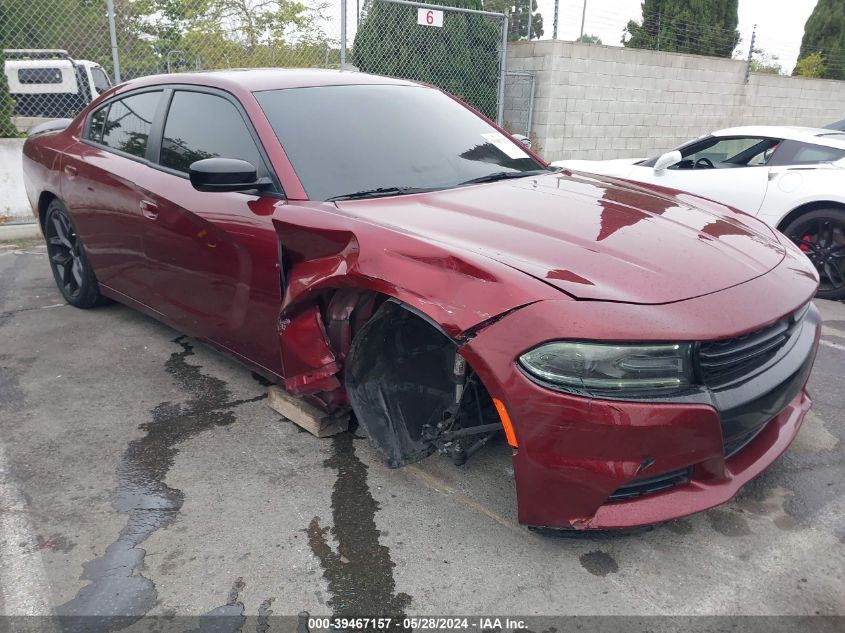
(833, 345)
(23, 580)
(435, 483)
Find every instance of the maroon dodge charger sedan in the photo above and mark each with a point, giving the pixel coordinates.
(373, 244)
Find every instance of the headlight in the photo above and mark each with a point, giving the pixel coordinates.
(610, 368)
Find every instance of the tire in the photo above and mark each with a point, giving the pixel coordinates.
(74, 276)
(821, 235)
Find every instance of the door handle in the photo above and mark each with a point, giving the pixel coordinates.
(71, 172)
(149, 209)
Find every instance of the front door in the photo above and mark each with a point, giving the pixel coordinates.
(213, 256)
(730, 170)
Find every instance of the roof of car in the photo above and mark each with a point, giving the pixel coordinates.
(817, 136)
(257, 79)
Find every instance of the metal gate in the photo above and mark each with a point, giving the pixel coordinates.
(459, 50)
(519, 101)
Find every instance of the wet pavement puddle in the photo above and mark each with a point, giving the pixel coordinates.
(359, 572)
(117, 588)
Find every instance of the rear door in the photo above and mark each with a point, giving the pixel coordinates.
(105, 179)
(212, 257)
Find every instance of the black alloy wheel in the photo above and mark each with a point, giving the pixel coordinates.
(821, 235)
(73, 274)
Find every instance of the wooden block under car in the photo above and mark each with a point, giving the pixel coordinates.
(305, 415)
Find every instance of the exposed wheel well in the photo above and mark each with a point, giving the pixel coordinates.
(409, 385)
(44, 201)
(806, 208)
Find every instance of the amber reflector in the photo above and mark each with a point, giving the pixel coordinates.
(506, 422)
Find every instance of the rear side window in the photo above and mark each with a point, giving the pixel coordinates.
(797, 153)
(128, 123)
(40, 75)
(201, 125)
(98, 121)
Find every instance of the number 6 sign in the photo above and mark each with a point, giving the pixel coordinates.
(429, 17)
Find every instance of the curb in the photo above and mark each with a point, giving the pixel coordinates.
(19, 231)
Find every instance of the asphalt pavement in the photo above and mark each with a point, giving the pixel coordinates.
(142, 472)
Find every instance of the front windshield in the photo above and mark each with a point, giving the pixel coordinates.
(343, 140)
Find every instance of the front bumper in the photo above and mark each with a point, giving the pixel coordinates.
(575, 453)
(705, 491)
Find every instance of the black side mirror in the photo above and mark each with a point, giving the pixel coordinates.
(225, 174)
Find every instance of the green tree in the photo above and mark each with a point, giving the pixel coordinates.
(232, 33)
(461, 57)
(824, 34)
(193, 33)
(77, 26)
(811, 66)
(762, 62)
(73, 25)
(7, 105)
(589, 39)
(699, 27)
(517, 12)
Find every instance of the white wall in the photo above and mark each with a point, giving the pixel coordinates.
(14, 205)
(597, 102)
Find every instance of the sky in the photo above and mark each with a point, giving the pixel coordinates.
(780, 23)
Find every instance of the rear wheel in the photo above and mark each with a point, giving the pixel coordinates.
(71, 270)
(821, 235)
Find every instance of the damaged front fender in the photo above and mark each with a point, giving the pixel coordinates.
(331, 262)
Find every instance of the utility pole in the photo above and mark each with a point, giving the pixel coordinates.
(530, 17)
(750, 54)
(554, 27)
(342, 34)
(658, 30)
(583, 18)
(115, 59)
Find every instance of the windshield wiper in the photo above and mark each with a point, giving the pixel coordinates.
(381, 192)
(504, 175)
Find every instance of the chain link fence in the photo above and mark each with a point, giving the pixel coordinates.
(459, 50)
(61, 54)
(519, 101)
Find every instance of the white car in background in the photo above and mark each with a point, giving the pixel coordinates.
(792, 178)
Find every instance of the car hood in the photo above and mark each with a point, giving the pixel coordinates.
(590, 237)
(619, 167)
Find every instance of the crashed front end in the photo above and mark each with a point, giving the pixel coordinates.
(382, 321)
(588, 461)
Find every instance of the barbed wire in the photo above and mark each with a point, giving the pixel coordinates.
(771, 53)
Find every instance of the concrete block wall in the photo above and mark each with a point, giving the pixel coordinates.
(599, 102)
(14, 205)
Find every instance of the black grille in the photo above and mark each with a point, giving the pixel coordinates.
(648, 485)
(737, 442)
(730, 360)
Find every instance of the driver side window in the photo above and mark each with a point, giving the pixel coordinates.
(201, 125)
(727, 152)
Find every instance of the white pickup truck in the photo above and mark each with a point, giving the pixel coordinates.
(47, 83)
